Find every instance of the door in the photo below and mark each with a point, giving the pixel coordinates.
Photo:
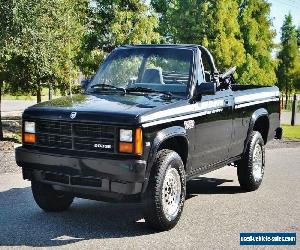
(213, 129)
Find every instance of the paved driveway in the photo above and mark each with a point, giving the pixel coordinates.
(214, 214)
(287, 116)
(14, 107)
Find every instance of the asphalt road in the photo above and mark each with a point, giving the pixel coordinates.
(15, 107)
(214, 214)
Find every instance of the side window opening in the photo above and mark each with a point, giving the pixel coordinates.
(207, 68)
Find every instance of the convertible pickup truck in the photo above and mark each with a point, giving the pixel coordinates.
(152, 118)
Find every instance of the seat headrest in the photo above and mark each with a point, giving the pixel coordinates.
(153, 76)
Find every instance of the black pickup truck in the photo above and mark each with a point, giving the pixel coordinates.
(152, 118)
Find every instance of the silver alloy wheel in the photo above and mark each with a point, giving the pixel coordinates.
(257, 163)
(171, 193)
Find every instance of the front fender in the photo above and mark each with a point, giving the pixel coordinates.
(160, 137)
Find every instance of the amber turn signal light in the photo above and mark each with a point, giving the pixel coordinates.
(29, 138)
(125, 147)
(138, 149)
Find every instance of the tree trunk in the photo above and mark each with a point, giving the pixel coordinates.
(38, 93)
(294, 110)
(286, 99)
(1, 130)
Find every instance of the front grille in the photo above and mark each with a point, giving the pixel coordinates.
(93, 130)
(75, 136)
(54, 127)
(58, 141)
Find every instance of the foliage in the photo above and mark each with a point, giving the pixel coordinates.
(45, 41)
(89, 61)
(255, 23)
(237, 32)
(212, 23)
(114, 23)
(289, 64)
(121, 22)
(298, 36)
(43, 38)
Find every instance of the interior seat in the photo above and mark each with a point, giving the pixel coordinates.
(153, 75)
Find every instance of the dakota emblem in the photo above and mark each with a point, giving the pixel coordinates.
(99, 145)
(73, 115)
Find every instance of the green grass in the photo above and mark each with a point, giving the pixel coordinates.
(291, 132)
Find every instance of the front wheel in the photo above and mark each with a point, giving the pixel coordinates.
(165, 195)
(251, 167)
(49, 199)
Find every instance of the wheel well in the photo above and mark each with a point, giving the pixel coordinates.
(178, 144)
(262, 125)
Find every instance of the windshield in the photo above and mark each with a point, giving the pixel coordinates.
(160, 69)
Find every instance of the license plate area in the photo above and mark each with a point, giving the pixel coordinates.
(72, 180)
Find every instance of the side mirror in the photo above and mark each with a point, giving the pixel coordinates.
(206, 88)
(84, 83)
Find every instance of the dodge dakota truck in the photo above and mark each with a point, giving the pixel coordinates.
(152, 118)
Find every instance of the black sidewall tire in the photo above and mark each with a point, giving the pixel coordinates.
(245, 165)
(48, 199)
(153, 209)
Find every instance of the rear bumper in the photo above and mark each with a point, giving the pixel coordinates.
(80, 175)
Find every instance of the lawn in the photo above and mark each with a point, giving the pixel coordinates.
(291, 132)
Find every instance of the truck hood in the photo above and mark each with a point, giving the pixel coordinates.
(124, 109)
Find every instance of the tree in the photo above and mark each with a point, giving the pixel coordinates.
(114, 23)
(39, 40)
(47, 36)
(5, 41)
(72, 19)
(298, 36)
(288, 58)
(212, 23)
(259, 66)
(225, 40)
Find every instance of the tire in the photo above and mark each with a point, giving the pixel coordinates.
(166, 191)
(48, 199)
(250, 169)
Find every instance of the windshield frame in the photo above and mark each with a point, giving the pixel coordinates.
(111, 57)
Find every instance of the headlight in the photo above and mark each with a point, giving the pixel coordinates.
(29, 132)
(128, 144)
(29, 127)
(125, 135)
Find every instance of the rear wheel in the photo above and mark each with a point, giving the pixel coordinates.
(250, 168)
(49, 199)
(165, 195)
